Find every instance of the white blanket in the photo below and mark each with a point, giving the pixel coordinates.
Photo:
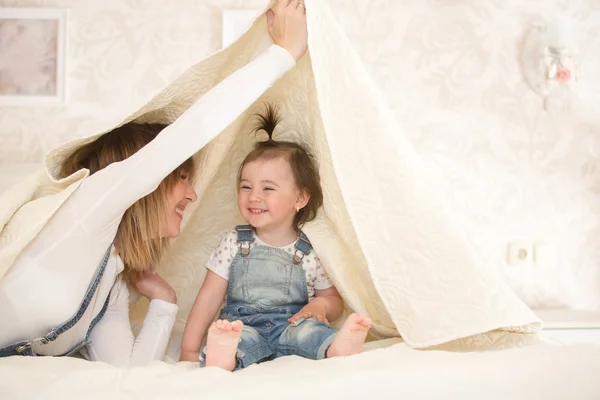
(541, 371)
(384, 234)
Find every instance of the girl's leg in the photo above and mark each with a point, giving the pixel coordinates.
(309, 339)
(316, 340)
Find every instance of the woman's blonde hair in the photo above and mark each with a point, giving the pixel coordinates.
(138, 238)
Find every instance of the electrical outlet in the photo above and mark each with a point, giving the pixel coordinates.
(520, 254)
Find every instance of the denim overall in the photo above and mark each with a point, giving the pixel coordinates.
(267, 286)
(28, 347)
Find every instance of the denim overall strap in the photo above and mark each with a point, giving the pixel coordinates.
(303, 248)
(245, 237)
(265, 281)
(26, 347)
(96, 319)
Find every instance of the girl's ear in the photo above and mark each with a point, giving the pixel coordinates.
(302, 199)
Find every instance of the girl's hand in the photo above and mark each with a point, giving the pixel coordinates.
(314, 309)
(153, 286)
(287, 26)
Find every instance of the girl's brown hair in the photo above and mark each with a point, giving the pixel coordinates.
(138, 238)
(306, 174)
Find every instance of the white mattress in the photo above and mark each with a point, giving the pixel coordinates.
(542, 371)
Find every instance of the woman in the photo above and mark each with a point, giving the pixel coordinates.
(115, 226)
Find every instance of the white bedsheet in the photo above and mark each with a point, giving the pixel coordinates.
(541, 371)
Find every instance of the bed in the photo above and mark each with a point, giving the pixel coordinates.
(387, 369)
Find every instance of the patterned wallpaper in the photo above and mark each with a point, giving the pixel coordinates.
(450, 71)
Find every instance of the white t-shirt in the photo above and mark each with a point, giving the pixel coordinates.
(48, 280)
(222, 256)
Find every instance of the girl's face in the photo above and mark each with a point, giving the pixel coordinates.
(180, 196)
(268, 196)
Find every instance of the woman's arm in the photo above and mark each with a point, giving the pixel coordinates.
(209, 299)
(112, 341)
(108, 193)
(105, 196)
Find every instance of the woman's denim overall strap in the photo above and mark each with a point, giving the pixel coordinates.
(27, 347)
(264, 280)
(96, 319)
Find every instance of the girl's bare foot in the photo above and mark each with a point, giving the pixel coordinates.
(222, 344)
(351, 337)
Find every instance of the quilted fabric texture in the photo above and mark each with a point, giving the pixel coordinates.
(384, 235)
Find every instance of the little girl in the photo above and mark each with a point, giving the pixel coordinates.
(279, 298)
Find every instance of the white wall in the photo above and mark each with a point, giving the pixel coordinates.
(450, 70)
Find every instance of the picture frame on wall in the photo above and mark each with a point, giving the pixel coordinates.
(33, 47)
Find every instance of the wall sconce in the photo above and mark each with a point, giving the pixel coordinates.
(549, 61)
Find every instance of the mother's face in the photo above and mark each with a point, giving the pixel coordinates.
(178, 198)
